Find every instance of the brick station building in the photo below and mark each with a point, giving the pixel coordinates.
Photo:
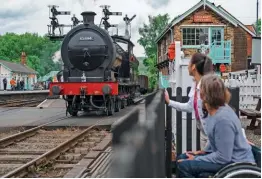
(213, 30)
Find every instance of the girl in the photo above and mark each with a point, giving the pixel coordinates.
(199, 65)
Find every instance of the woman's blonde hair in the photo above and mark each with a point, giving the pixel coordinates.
(214, 92)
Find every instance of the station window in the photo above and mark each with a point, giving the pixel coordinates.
(195, 36)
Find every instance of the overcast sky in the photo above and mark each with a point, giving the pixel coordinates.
(22, 16)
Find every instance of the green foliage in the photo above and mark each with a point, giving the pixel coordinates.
(148, 34)
(39, 50)
(142, 69)
(259, 25)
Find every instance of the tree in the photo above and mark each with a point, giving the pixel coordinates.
(39, 50)
(148, 34)
(259, 26)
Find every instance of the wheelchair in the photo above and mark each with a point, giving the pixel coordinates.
(239, 170)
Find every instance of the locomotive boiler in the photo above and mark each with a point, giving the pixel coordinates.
(99, 74)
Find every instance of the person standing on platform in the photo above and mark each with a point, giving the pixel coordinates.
(22, 84)
(199, 66)
(5, 83)
(13, 83)
(18, 84)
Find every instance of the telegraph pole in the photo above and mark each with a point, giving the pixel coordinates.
(257, 21)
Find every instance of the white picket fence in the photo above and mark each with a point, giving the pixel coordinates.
(249, 84)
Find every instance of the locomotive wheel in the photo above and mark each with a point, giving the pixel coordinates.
(74, 113)
(117, 105)
(71, 111)
(110, 107)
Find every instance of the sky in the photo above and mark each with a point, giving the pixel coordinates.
(20, 16)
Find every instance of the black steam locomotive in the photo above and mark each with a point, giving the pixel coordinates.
(99, 74)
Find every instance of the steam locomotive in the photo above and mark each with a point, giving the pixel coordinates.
(99, 74)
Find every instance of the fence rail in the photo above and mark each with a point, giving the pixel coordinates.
(142, 143)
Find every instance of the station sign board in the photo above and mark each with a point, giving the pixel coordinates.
(202, 18)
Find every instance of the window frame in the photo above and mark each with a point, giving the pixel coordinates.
(194, 27)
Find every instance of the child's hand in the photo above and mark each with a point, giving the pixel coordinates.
(167, 97)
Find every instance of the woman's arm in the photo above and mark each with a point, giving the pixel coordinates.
(224, 142)
(186, 107)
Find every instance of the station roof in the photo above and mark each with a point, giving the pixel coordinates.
(17, 67)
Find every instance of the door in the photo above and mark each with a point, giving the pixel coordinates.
(217, 43)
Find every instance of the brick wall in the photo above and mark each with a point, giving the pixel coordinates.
(163, 47)
(240, 50)
(216, 20)
(249, 44)
(237, 36)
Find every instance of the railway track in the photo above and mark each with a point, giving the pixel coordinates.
(21, 103)
(51, 153)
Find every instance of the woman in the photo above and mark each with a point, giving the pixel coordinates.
(226, 139)
(199, 65)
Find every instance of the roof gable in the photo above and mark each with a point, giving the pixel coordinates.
(239, 23)
(251, 28)
(222, 12)
(17, 67)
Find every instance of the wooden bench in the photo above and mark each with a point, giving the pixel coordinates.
(257, 131)
(254, 115)
(251, 114)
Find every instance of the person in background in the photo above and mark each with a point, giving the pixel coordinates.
(13, 84)
(22, 85)
(18, 84)
(199, 66)
(227, 141)
(5, 83)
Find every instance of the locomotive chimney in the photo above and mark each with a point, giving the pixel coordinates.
(88, 17)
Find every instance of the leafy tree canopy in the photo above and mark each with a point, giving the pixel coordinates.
(148, 33)
(39, 50)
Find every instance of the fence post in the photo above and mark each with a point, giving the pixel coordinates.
(169, 138)
(234, 102)
(178, 123)
(189, 127)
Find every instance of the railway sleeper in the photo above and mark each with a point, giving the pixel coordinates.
(70, 156)
(19, 151)
(59, 161)
(63, 166)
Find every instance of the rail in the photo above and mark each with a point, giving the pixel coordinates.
(45, 155)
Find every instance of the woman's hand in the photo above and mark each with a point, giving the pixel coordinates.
(199, 152)
(167, 99)
(189, 157)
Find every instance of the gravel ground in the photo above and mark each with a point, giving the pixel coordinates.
(11, 132)
(256, 139)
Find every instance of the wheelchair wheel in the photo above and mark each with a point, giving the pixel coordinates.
(242, 171)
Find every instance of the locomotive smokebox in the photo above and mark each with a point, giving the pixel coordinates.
(88, 17)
